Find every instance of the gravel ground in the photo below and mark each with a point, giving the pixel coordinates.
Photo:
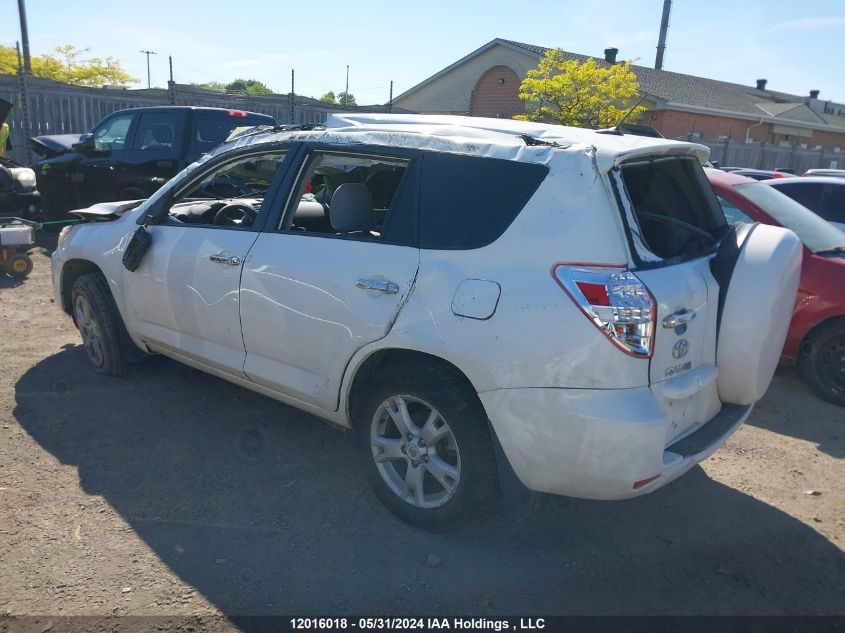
(175, 493)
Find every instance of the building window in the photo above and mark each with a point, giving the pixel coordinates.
(836, 150)
(803, 146)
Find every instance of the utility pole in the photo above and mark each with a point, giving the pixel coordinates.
(171, 85)
(27, 62)
(292, 98)
(24, 116)
(346, 94)
(661, 41)
(148, 53)
(390, 103)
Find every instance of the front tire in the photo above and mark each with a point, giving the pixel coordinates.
(822, 362)
(99, 324)
(424, 443)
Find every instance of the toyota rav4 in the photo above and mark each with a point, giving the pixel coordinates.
(478, 300)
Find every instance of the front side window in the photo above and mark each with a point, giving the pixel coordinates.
(350, 195)
(112, 134)
(675, 212)
(231, 194)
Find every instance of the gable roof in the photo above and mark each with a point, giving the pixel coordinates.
(679, 88)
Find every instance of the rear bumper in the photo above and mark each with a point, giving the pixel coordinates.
(596, 444)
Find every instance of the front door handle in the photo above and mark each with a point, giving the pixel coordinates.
(387, 287)
(682, 317)
(219, 258)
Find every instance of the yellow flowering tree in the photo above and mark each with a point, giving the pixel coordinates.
(70, 66)
(582, 94)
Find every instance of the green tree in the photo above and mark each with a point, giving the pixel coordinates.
(248, 87)
(346, 98)
(569, 92)
(69, 65)
(213, 86)
(329, 97)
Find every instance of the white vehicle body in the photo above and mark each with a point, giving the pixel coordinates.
(574, 413)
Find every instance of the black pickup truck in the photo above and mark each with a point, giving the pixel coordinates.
(129, 154)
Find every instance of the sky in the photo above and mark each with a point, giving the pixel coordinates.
(796, 46)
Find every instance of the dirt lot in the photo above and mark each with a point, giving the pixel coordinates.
(173, 492)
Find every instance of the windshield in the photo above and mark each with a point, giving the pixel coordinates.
(816, 234)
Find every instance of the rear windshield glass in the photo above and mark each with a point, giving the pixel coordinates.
(816, 233)
(469, 201)
(673, 210)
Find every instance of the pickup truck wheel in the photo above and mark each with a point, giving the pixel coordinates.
(822, 362)
(423, 440)
(99, 324)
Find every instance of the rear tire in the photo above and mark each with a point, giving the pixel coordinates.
(99, 323)
(821, 362)
(441, 474)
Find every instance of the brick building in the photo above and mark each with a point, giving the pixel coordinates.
(486, 83)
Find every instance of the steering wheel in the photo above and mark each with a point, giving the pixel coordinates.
(235, 214)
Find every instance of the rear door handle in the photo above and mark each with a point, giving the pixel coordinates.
(387, 287)
(219, 258)
(682, 317)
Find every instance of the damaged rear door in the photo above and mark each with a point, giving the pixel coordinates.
(333, 272)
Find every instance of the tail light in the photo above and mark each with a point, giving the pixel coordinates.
(615, 301)
(240, 114)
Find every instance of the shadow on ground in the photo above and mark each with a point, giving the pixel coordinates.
(263, 510)
(791, 408)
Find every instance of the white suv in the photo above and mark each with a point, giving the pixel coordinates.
(477, 299)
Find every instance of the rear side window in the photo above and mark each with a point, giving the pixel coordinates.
(833, 206)
(159, 131)
(807, 193)
(468, 202)
(675, 212)
(213, 127)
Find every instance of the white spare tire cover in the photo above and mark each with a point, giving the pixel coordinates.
(756, 313)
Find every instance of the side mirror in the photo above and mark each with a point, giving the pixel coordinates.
(85, 144)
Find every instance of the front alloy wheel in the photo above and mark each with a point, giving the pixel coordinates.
(415, 451)
(89, 329)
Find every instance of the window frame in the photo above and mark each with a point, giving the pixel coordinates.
(283, 214)
(159, 216)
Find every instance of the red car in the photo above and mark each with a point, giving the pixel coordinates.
(816, 338)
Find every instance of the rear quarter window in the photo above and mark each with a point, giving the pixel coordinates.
(469, 201)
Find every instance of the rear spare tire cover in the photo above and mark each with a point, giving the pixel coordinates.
(756, 312)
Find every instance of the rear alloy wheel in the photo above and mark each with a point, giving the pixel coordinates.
(424, 443)
(415, 451)
(822, 362)
(99, 325)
